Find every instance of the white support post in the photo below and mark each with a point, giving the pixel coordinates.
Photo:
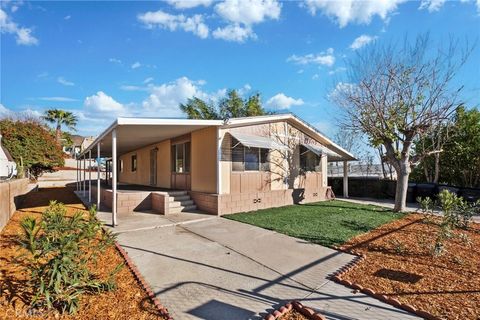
(219, 158)
(114, 177)
(76, 183)
(90, 177)
(98, 176)
(84, 176)
(345, 179)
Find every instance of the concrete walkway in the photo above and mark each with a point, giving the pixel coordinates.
(213, 268)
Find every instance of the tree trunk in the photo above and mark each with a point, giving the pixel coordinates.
(403, 172)
(437, 168)
(58, 133)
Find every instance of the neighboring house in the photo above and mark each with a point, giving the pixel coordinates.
(8, 167)
(217, 166)
(79, 144)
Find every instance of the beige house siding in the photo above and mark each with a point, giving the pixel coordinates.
(204, 160)
(142, 174)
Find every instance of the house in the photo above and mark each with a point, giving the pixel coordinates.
(217, 166)
(8, 167)
(79, 144)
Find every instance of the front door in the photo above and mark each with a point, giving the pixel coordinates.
(153, 167)
(181, 166)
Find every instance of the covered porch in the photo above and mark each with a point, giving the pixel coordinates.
(162, 190)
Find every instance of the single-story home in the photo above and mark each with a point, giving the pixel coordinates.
(8, 167)
(216, 166)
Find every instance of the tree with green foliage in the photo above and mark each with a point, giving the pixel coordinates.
(399, 94)
(459, 162)
(60, 118)
(31, 145)
(232, 106)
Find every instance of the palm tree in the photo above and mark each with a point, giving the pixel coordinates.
(59, 118)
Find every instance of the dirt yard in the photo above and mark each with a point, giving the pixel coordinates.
(399, 264)
(128, 301)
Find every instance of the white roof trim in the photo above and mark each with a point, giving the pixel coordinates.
(258, 141)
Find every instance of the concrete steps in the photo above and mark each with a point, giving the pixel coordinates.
(180, 201)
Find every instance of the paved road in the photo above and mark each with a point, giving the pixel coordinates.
(222, 269)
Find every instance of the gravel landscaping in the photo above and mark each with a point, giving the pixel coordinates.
(127, 301)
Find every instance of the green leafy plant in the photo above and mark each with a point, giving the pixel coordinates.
(61, 250)
(398, 246)
(457, 213)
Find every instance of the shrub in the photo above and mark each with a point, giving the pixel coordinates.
(61, 250)
(457, 213)
(31, 145)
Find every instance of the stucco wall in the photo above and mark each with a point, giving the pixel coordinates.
(11, 193)
(142, 175)
(204, 160)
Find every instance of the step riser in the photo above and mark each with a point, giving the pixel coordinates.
(180, 203)
(182, 209)
(179, 198)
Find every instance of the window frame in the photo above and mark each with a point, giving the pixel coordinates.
(186, 157)
(261, 165)
(133, 163)
(318, 159)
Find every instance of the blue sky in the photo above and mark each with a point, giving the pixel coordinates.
(106, 59)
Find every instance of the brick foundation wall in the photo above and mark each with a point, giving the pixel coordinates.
(207, 202)
(160, 202)
(11, 193)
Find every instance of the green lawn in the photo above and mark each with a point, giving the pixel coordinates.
(327, 223)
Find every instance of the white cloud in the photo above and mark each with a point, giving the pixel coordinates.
(23, 35)
(172, 22)
(104, 104)
(281, 101)
(234, 32)
(58, 99)
(148, 80)
(136, 65)
(315, 76)
(341, 89)
(67, 17)
(133, 88)
(362, 41)
(248, 12)
(188, 4)
(115, 60)
(323, 58)
(337, 70)
(4, 111)
(165, 98)
(431, 5)
(65, 82)
(353, 11)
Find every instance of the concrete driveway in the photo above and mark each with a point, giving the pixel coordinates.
(221, 269)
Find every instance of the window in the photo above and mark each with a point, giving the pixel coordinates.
(309, 161)
(120, 165)
(134, 163)
(181, 157)
(249, 159)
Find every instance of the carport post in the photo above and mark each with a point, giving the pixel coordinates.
(90, 177)
(114, 177)
(98, 176)
(345, 179)
(84, 175)
(76, 182)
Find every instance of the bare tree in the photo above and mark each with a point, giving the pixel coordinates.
(396, 94)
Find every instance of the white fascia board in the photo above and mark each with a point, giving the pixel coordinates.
(171, 122)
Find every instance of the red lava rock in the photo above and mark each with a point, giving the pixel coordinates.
(269, 317)
(283, 310)
(357, 286)
(346, 282)
(288, 306)
(336, 278)
(308, 311)
(277, 313)
(318, 316)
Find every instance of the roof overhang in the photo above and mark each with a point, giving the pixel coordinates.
(321, 151)
(135, 133)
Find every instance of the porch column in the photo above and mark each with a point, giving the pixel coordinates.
(90, 177)
(84, 175)
(98, 176)
(114, 177)
(76, 182)
(345, 179)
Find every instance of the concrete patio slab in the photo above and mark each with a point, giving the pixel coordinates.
(222, 269)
